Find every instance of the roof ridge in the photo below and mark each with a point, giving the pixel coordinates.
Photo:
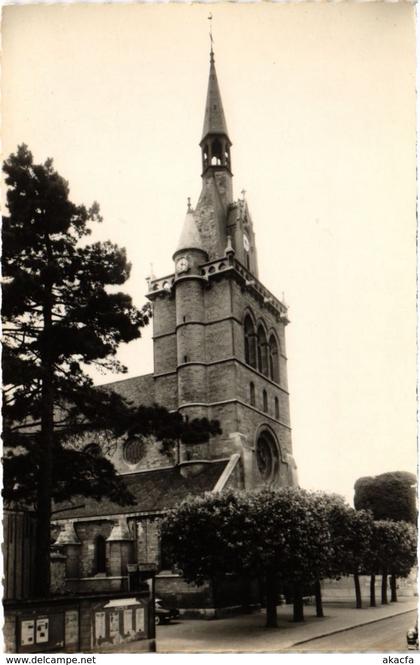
(175, 466)
(128, 378)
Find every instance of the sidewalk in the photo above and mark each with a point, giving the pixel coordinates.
(247, 633)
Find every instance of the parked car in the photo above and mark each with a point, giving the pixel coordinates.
(164, 614)
(413, 637)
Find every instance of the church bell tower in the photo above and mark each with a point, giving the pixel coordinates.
(215, 142)
(218, 332)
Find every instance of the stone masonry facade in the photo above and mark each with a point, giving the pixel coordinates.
(220, 353)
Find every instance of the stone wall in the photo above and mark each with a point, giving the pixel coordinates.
(210, 213)
(200, 368)
(176, 592)
(166, 390)
(342, 590)
(148, 540)
(81, 574)
(210, 600)
(164, 315)
(165, 353)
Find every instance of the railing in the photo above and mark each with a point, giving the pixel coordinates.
(253, 283)
(213, 268)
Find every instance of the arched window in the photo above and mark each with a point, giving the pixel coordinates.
(100, 555)
(274, 359)
(265, 401)
(276, 408)
(262, 351)
(267, 457)
(134, 451)
(216, 151)
(92, 449)
(249, 332)
(252, 394)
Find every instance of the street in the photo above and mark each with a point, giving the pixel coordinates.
(388, 635)
(247, 633)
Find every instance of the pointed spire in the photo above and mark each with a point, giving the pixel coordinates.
(229, 249)
(214, 117)
(68, 535)
(120, 531)
(215, 143)
(190, 236)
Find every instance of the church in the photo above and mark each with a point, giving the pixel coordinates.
(219, 353)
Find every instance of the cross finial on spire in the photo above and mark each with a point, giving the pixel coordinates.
(189, 204)
(243, 192)
(210, 18)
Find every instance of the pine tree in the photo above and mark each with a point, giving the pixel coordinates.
(59, 318)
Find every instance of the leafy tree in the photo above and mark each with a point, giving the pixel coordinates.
(355, 533)
(351, 535)
(333, 505)
(272, 533)
(395, 551)
(60, 316)
(389, 496)
(405, 558)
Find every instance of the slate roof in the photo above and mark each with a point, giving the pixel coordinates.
(138, 389)
(214, 117)
(190, 235)
(155, 490)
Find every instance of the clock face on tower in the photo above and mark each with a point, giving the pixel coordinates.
(182, 265)
(246, 243)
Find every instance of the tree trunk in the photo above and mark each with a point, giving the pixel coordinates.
(298, 602)
(358, 592)
(271, 599)
(372, 591)
(393, 583)
(45, 475)
(214, 592)
(318, 599)
(384, 595)
(261, 591)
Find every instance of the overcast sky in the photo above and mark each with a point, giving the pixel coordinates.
(320, 105)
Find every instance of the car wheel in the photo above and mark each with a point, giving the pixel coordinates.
(157, 620)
